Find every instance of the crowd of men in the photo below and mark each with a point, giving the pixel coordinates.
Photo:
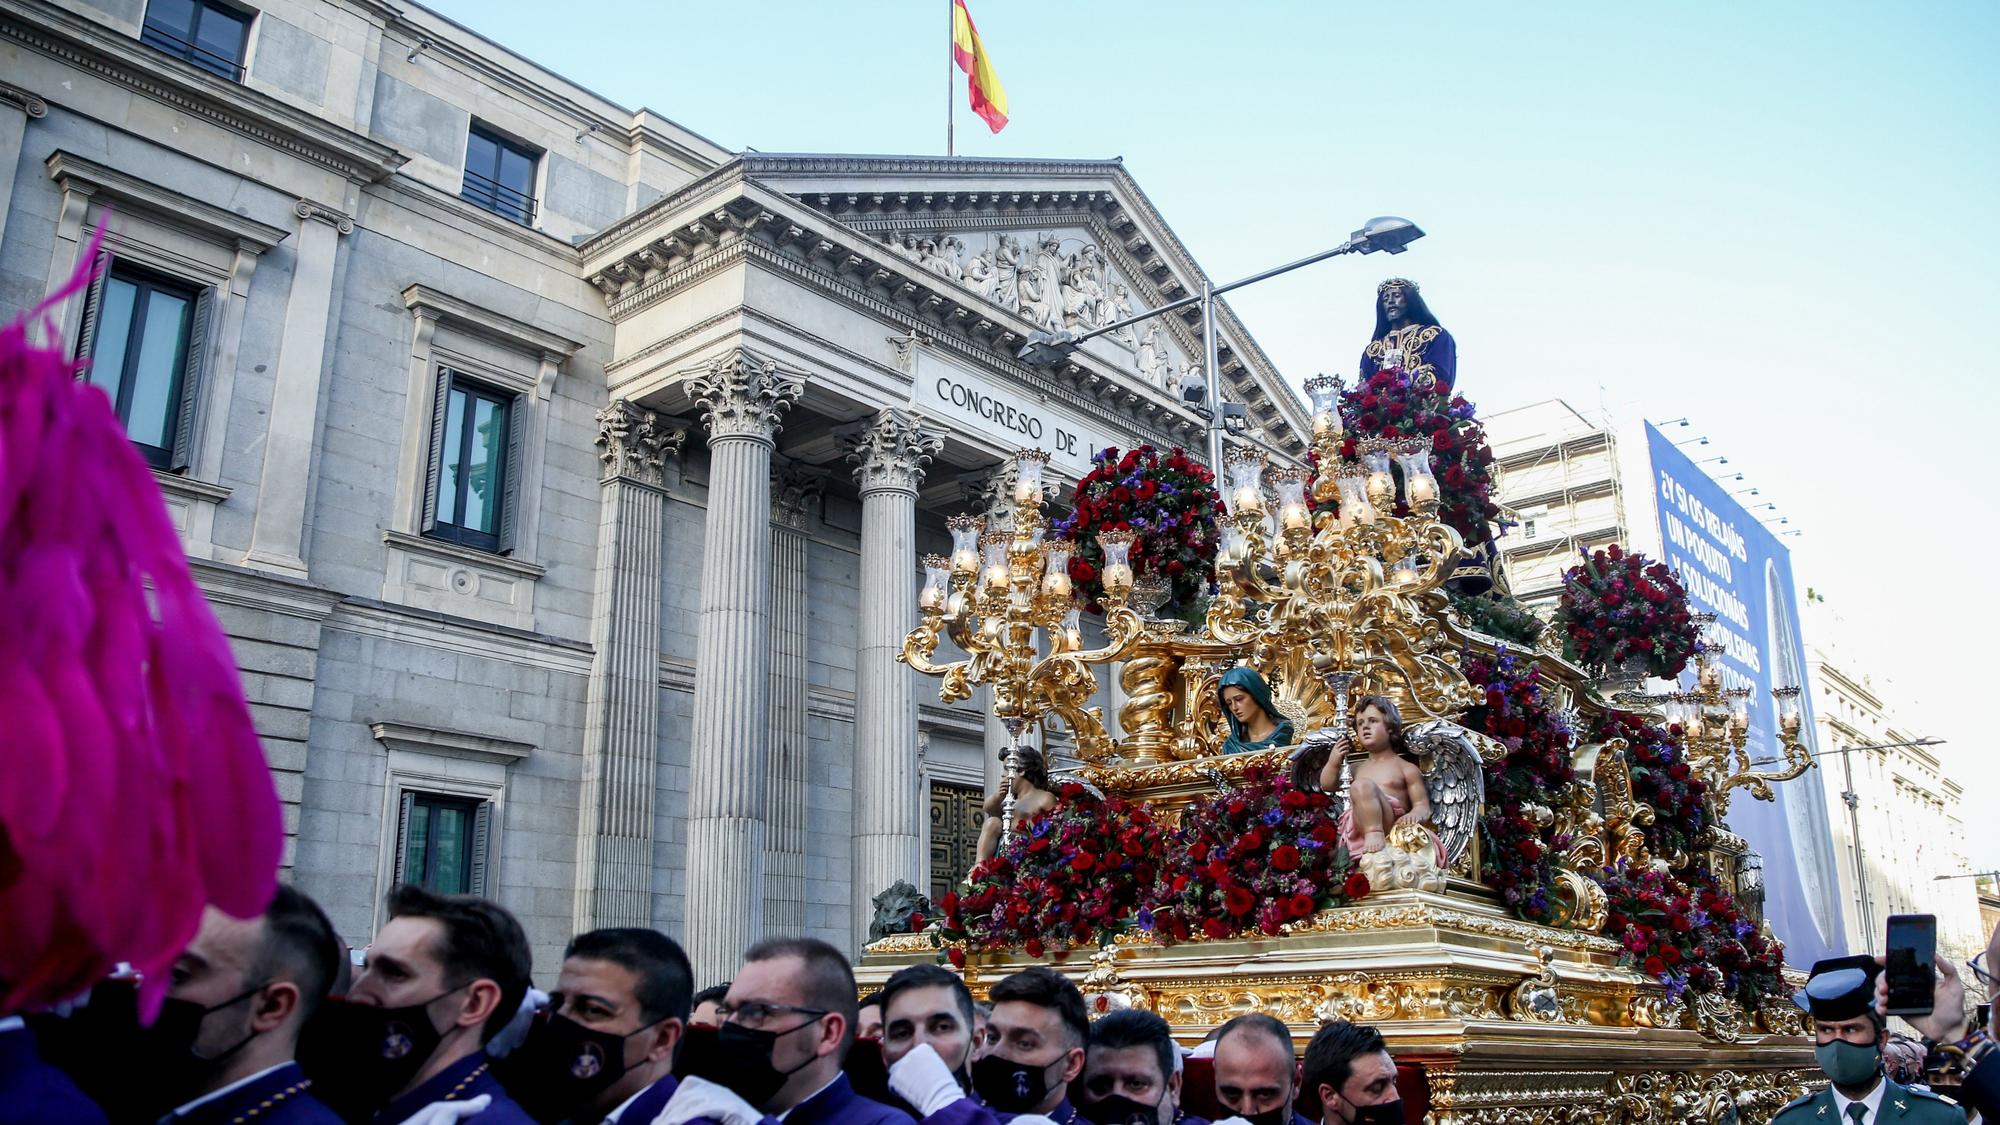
(267, 1020)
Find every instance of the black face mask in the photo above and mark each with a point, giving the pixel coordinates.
(1279, 1116)
(1117, 1109)
(562, 1065)
(1009, 1086)
(741, 1062)
(158, 1068)
(1382, 1113)
(359, 1056)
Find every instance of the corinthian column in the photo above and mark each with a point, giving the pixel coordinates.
(795, 493)
(889, 455)
(742, 399)
(614, 852)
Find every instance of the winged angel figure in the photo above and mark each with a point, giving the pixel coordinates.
(1453, 761)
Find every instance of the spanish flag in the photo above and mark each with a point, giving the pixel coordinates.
(989, 98)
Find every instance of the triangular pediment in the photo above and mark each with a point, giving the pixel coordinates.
(1068, 245)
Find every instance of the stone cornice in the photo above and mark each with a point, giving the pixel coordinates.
(485, 322)
(451, 743)
(52, 31)
(74, 173)
(713, 183)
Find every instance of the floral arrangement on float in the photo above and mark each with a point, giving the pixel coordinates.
(1388, 407)
(1072, 877)
(1252, 858)
(1662, 778)
(1167, 501)
(1690, 935)
(1621, 610)
(1518, 827)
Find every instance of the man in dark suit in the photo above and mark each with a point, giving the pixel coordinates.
(1348, 1070)
(33, 1091)
(1131, 1072)
(242, 990)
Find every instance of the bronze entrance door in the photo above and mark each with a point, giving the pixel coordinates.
(955, 821)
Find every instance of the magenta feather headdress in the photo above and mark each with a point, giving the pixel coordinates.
(133, 789)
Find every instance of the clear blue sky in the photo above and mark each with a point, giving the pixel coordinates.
(1779, 219)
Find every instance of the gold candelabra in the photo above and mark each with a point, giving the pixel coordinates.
(1347, 594)
(1715, 728)
(992, 597)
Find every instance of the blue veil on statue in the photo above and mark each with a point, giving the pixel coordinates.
(1253, 685)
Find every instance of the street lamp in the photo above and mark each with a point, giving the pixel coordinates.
(1719, 459)
(1853, 802)
(1386, 233)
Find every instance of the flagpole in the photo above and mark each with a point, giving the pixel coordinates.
(950, 61)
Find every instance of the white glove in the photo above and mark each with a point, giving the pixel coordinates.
(512, 1035)
(698, 1097)
(1030, 1119)
(1230, 1121)
(444, 1113)
(921, 1079)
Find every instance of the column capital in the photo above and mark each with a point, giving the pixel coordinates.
(339, 220)
(795, 488)
(990, 492)
(634, 444)
(744, 396)
(889, 453)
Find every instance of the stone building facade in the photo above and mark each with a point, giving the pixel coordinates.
(561, 476)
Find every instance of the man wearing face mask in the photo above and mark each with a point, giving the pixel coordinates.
(1349, 1067)
(603, 1051)
(223, 1043)
(1849, 1033)
(444, 975)
(787, 1024)
(1131, 1072)
(927, 1040)
(1036, 1037)
(1256, 1072)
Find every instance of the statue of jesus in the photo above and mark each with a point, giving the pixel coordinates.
(1407, 335)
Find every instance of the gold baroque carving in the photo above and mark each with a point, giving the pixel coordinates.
(1406, 916)
(1654, 1097)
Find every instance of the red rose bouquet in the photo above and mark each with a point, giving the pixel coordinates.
(1662, 778)
(1073, 876)
(1389, 405)
(1619, 607)
(1690, 935)
(1251, 859)
(1520, 848)
(1168, 501)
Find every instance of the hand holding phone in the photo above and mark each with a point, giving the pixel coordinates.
(1908, 964)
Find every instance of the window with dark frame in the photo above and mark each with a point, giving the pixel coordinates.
(143, 336)
(442, 841)
(500, 175)
(212, 36)
(475, 437)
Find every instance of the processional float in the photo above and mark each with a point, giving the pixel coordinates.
(1330, 594)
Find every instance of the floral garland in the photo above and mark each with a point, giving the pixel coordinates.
(1072, 876)
(1389, 405)
(1620, 607)
(1252, 858)
(1690, 936)
(1168, 501)
(1520, 845)
(1661, 778)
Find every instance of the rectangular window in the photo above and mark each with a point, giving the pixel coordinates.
(143, 336)
(500, 175)
(212, 36)
(474, 441)
(441, 843)
(1528, 529)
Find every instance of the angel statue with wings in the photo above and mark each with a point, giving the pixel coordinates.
(1387, 789)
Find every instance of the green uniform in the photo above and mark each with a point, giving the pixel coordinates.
(1900, 1106)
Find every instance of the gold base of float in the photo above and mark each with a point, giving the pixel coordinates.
(1512, 1023)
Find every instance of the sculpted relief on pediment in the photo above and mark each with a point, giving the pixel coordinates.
(1056, 280)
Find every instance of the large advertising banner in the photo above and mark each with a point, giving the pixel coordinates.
(1736, 569)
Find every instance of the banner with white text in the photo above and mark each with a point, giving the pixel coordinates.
(1736, 569)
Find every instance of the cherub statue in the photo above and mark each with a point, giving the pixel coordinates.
(1032, 798)
(1387, 789)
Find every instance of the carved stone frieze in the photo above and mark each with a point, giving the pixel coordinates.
(744, 396)
(891, 452)
(634, 444)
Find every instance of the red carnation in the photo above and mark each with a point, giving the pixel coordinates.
(1356, 886)
(1285, 857)
(1214, 927)
(1238, 901)
(1033, 948)
(956, 956)
(1301, 905)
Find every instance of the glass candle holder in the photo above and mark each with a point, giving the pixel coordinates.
(1790, 718)
(1739, 721)
(1293, 515)
(1235, 546)
(993, 545)
(1420, 484)
(1117, 548)
(1072, 629)
(937, 584)
(1055, 568)
(1404, 573)
(1246, 480)
(964, 545)
(1324, 391)
(1355, 508)
(1028, 466)
(1381, 483)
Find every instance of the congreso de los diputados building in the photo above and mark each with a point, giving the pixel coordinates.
(561, 477)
